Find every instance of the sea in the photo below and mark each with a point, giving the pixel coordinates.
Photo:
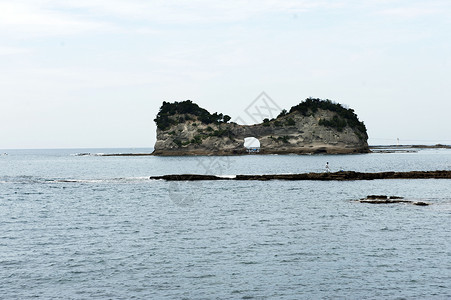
(75, 224)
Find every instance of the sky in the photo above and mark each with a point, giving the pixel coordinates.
(94, 73)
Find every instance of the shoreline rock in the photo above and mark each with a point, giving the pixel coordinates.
(401, 147)
(307, 151)
(337, 176)
(321, 149)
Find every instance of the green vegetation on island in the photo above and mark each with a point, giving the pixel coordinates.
(345, 116)
(178, 112)
(186, 108)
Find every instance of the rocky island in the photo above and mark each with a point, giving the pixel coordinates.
(314, 126)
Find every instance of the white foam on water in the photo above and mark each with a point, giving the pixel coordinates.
(81, 154)
(103, 180)
(226, 176)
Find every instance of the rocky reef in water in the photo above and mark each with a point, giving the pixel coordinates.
(337, 176)
(311, 127)
(383, 199)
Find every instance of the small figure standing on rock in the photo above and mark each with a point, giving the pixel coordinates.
(327, 167)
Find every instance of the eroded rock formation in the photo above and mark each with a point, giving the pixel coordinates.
(313, 126)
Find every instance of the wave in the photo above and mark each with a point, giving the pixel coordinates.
(41, 180)
(88, 154)
(113, 154)
(226, 176)
(104, 180)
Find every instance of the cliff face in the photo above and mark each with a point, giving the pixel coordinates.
(301, 131)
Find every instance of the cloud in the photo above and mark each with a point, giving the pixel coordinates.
(74, 78)
(13, 50)
(52, 17)
(59, 17)
(29, 17)
(412, 10)
(201, 11)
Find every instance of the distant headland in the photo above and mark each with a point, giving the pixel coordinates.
(314, 126)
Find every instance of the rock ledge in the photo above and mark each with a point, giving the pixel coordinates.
(337, 176)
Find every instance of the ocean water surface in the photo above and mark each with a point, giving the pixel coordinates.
(95, 227)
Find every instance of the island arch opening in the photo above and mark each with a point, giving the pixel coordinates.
(252, 144)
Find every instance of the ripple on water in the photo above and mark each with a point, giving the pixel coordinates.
(94, 230)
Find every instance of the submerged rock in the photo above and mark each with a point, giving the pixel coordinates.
(383, 199)
(380, 197)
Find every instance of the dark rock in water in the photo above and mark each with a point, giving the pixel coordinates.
(83, 154)
(188, 177)
(377, 197)
(125, 154)
(382, 199)
(338, 176)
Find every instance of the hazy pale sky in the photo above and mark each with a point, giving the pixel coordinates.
(93, 73)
